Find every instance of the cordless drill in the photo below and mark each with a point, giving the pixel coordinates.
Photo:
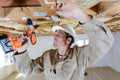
(9, 44)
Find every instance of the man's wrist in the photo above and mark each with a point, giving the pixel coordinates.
(17, 53)
(81, 23)
(88, 18)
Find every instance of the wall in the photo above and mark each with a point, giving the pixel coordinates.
(43, 43)
(104, 61)
(115, 52)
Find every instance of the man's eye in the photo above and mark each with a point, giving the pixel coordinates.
(60, 34)
(57, 34)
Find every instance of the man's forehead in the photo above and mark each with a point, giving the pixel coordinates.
(62, 31)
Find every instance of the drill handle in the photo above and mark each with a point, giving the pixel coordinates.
(18, 43)
(31, 34)
(24, 41)
(33, 38)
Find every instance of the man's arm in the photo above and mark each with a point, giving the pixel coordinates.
(23, 62)
(100, 41)
(101, 38)
(26, 65)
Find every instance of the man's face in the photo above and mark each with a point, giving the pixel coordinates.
(59, 39)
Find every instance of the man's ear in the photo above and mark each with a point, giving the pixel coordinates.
(69, 40)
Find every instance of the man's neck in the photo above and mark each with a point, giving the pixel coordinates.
(62, 50)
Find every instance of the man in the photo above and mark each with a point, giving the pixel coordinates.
(66, 63)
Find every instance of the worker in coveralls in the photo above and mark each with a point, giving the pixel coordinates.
(66, 62)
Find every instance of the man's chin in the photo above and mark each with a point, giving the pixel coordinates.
(54, 45)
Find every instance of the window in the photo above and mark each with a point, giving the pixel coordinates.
(82, 40)
(81, 43)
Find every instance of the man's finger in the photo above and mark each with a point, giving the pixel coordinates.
(59, 5)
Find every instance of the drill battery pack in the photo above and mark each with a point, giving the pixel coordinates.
(5, 43)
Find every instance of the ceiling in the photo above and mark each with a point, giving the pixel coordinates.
(13, 14)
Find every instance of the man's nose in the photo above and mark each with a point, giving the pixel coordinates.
(55, 36)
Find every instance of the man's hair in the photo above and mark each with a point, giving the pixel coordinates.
(69, 36)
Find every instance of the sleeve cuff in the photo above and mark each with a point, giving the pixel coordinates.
(93, 24)
(20, 57)
(17, 53)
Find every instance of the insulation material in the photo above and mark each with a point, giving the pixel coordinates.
(72, 22)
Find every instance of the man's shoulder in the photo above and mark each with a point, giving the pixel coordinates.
(51, 50)
(78, 49)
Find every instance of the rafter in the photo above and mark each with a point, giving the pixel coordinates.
(2, 13)
(109, 8)
(106, 11)
(49, 6)
(11, 25)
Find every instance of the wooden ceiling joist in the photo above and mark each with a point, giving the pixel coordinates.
(108, 0)
(49, 6)
(2, 14)
(107, 11)
(109, 8)
(10, 31)
(12, 25)
(91, 12)
(87, 4)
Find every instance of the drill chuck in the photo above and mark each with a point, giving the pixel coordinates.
(30, 24)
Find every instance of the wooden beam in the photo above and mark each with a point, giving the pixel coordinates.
(72, 22)
(49, 6)
(109, 8)
(114, 27)
(17, 13)
(12, 3)
(2, 13)
(11, 25)
(87, 4)
(90, 12)
(14, 33)
(117, 19)
(103, 18)
(108, 0)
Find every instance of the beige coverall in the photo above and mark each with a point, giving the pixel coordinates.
(73, 66)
